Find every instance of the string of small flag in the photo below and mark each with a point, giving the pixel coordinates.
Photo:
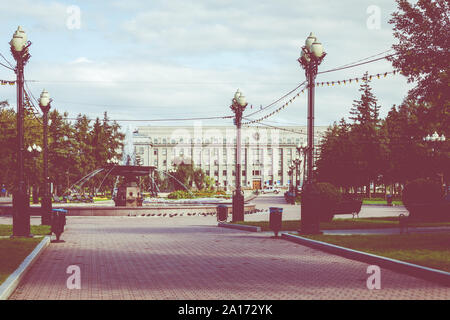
(284, 105)
(276, 128)
(344, 82)
(328, 83)
(7, 82)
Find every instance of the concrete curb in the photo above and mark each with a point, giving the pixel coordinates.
(11, 283)
(239, 227)
(434, 275)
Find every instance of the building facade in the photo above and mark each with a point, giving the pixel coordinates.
(266, 152)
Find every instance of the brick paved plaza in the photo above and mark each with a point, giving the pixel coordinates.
(192, 258)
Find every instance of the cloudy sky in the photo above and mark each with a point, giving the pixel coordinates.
(179, 58)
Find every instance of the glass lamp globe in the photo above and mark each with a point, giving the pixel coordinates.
(242, 101)
(310, 40)
(17, 41)
(317, 48)
(237, 94)
(44, 100)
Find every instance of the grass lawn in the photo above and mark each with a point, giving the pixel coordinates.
(381, 201)
(345, 224)
(425, 249)
(6, 230)
(98, 199)
(12, 254)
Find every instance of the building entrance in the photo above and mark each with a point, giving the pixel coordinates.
(256, 184)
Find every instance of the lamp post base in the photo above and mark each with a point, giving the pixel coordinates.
(21, 215)
(238, 207)
(46, 208)
(309, 219)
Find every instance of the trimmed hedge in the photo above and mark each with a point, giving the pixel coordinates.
(179, 194)
(183, 194)
(423, 199)
(323, 197)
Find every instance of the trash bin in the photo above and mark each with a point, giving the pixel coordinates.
(389, 199)
(58, 221)
(275, 219)
(222, 213)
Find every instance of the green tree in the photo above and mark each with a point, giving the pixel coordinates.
(422, 55)
(199, 178)
(184, 174)
(4, 104)
(8, 138)
(409, 156)
(64, 162)
(74, 149)
(9, 147)
(366, 135)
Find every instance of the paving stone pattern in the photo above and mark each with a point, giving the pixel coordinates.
(192, 258)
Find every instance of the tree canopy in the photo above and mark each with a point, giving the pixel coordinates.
(75, 149)
(422, 55)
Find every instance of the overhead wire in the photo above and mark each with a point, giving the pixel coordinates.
(275, 127)
(6, 66)
(355, 65)
(350, 65)
(276, 101)
(366, 58)
(157, 120)
(7, 61)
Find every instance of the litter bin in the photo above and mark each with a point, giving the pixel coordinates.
(58, 221)
(275, 219)
(222, 213)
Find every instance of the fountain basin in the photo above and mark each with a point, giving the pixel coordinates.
(76, 209)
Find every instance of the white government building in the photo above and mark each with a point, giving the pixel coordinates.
(266, 152)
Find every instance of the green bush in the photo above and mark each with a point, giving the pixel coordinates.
(421, 191)
(421, 198)
(179, 194)
(183, 194)
(322, 197)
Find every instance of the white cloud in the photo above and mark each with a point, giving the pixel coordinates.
(44, 15)
(80, 60)
(178, 58)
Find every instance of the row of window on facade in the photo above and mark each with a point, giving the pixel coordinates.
(212, 155)
(224, 140)
(243, 173)
(257, 153)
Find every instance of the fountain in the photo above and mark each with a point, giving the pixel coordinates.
(129, 192)
(127, 195)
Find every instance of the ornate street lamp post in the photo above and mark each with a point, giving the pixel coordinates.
(297, 163)
(46, 202)
(435, 140)
(34, 152)
(301, 150)
(291, 175)
(311, 57)
(21, 202)
(238, 106)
